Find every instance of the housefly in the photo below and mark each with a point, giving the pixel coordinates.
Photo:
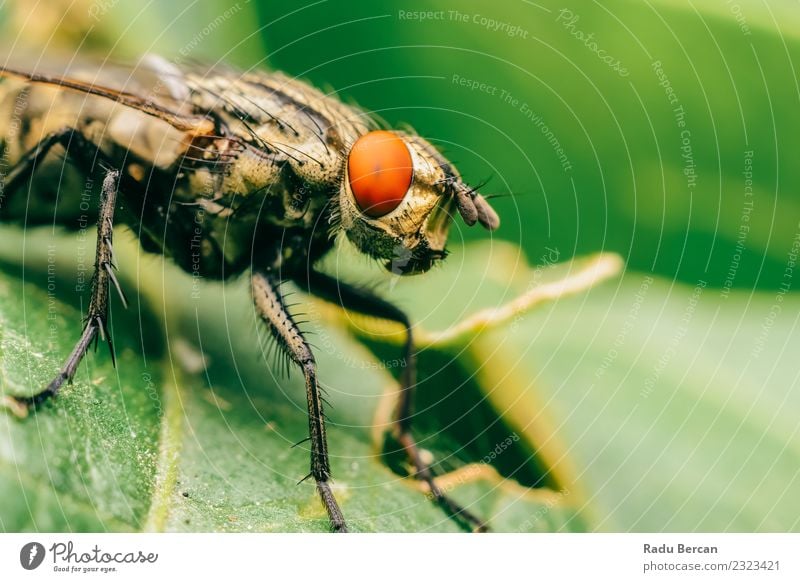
(225, 172)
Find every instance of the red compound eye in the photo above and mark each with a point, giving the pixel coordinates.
(380, 169)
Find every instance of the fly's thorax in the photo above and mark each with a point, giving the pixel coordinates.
(282, 122)
(147, 138)
(411, 236)
(250, 174)
(281, 192)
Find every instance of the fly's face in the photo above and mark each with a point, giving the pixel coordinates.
(398, 197)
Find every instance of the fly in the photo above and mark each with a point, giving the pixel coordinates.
(226, 172)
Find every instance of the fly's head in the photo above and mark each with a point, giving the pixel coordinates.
(398, 198)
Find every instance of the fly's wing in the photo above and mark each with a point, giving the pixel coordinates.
(147, 109)
(143, 113)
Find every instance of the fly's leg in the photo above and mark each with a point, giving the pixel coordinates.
(104, 277)
(272, 310)
(365, 302)
(24, 169)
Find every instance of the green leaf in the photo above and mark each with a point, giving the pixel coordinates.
(641, 405)
(666, 407)
(693, 425)
(197, 435)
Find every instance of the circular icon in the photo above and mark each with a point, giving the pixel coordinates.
(31, 555)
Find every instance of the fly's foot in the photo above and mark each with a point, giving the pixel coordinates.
(20, 406)
(423, 472)
(15, 405)
(335, 516)
(464, 517)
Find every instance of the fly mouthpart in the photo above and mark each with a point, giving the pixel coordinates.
(408, 262)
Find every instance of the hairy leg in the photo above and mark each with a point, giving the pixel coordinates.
(273, 311)
(366, 302)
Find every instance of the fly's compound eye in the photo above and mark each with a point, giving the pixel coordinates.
(380, 169)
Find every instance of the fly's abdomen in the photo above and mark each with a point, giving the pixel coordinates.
(208, 159)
